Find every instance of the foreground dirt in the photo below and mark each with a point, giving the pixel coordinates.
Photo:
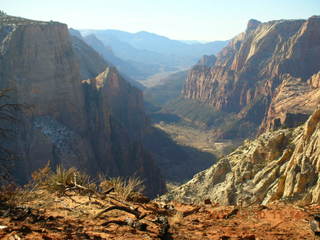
(81, 217)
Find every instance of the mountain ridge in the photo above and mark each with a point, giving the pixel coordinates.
(146, 48)
(256, 65)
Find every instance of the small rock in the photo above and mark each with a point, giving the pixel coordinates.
(225, 238)
(314, 226)
(25, 230)
(14, 237)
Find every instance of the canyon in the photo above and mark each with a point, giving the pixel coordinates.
(226, 150)
(80, 112)
(266, 77)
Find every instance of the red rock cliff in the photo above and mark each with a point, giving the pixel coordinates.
(255, 68)
(40, 62)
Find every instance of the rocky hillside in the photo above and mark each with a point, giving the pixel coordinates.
(94, 125)
(280, 165)
(267, 76)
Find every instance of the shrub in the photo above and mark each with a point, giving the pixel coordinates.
(123, 187)
(63, 180)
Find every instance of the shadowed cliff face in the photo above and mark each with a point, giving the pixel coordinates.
(96, 126)
(257, 67)
(280, 165)
(117, 124)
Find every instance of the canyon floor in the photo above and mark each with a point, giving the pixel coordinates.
(50, 216)
(202, 140)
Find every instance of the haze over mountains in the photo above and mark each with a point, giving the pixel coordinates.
(148, 53)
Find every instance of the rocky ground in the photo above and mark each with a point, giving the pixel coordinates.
(49, 216)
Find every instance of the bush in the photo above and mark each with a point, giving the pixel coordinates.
(123, 187)
(63, 180)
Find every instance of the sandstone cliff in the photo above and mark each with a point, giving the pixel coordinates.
(117, 125)
(253, 75)
(38, 60)
(280, 165)
(91, 63)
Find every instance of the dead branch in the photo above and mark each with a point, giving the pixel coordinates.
(134, 212)
(121, 223)
(109, 191)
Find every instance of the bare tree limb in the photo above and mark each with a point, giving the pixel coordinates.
(134, 212)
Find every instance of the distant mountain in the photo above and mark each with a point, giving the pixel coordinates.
(106, 53)
(160, 53)
(192, 41)
(160, 44)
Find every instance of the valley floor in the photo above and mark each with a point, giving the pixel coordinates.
(202, 140)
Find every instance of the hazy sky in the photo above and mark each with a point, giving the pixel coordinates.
(176, 19)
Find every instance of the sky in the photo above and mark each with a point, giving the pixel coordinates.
(206, 20)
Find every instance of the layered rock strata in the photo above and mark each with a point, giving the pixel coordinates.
(280, 165)
(95, 125)
(253, 75)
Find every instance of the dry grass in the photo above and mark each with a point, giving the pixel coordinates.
(123, 187)
(66, 183)
(62, 180)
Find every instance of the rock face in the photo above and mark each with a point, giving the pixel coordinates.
(95, 125)
(95, 61)
(91, 63)
(280, 165)
(116, 127)
(259, 67)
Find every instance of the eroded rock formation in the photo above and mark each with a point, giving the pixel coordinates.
(280, 165)
(95, 125)
(263, 74)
